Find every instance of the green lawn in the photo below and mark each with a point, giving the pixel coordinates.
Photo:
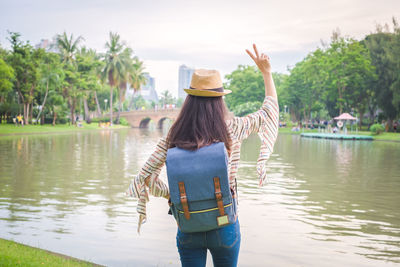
(380, 137)
(11, 129)
(15, 254)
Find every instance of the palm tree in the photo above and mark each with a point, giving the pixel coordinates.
(114, 65)
(68, 46)
(51, 76)
(166, 98)
(124, 78)
(136, 79)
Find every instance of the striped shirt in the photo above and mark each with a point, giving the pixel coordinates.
(264, 122)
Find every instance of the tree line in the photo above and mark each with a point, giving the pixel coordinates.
(53, 82)
(344, 75)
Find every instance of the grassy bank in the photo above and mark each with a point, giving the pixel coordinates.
(15, 254)
(381, 137)
(11, 129)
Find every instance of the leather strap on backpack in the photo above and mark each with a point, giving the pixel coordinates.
(184, 202)
(218, 196)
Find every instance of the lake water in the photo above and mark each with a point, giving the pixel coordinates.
(328, 202)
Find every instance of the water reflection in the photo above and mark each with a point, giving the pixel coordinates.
(350, 193)
(325, 199)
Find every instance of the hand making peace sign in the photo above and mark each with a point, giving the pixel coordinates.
(262, 62)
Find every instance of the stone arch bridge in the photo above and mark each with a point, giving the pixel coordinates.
(141, 118)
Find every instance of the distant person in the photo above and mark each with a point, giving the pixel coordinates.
(203, 127)
(335, 129)
(15, 121)
(395, 126)
(20, 120)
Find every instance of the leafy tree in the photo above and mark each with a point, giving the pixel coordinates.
(384, 54)
(88, 64)
(335, 78)
(56, 103)
(395, 60)
(248, 90)
(139, 102)
(247, 85)
(349, 68)
(51, 75)
(6, 78)
(25, 60)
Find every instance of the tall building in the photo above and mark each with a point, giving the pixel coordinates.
(147, 91)
(49, 46)
(185, 77)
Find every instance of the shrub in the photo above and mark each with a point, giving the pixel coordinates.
(377, 128)
(123, 121)
(97, 120)
(61, 120)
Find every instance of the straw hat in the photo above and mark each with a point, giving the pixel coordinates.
(206, 83)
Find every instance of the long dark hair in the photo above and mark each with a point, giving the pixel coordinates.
(200, 123)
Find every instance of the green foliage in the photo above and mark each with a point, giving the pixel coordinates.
(247, 85)
(123, 121)
(56, 83)
(344, 75)
(10, 108)
(246, 108)
(139, 102)
(121, 68)
(335, 78)
(166, 98)
(384, 48)
(377, 128)
(179, 102)
(284, 118)
(6, 77)
(68, 46)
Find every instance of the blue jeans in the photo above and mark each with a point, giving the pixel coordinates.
(223, 243)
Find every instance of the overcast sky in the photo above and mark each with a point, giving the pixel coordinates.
(201, 34)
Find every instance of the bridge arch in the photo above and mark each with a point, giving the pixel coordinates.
(161, 122)
(144, 123)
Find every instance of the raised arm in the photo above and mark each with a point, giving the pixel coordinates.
(266, 118)
(263, 63)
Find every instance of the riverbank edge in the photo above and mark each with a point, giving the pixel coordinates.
(386, 137)
(23, 255)
(64, 129)
(392, 137)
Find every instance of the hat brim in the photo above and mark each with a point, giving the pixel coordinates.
(209, 93)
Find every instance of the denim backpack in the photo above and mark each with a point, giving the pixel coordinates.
(200, 196)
